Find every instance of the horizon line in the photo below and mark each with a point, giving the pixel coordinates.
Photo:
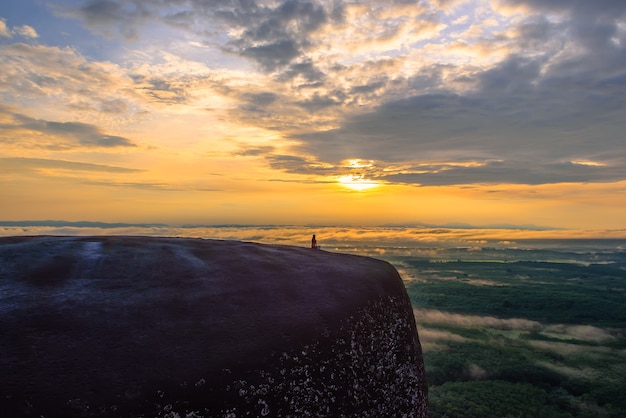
(105, 225)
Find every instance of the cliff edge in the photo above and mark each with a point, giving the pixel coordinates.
(142, 326)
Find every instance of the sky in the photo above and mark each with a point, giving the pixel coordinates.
(328, 112)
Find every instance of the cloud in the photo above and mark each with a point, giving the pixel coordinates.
(586, 333)
(105, 229)
(298, 164)
(287, 37)
(524, 121)
(429, 337)
(306, 70)
(64, 82)
(427, 316)
(161, 89)
(254, 152)
(114, 106)
(57, 135)
(423, 242)
(319, 102)
(273, 55)
(262, 99)
(26, 31)
(19, 164)
(4, 30)
(84, 134)
(153, 186)
(593, 26)
(608, 8)
(90, 174)
(102, 12)
(512, 172)
(110, 17)
(39, 75)
(433, 93)
(272, 34)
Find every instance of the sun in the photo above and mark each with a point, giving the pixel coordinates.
(357, 182)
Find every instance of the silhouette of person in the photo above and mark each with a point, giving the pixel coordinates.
(313, 242)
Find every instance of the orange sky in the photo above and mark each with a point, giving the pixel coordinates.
(494, 113)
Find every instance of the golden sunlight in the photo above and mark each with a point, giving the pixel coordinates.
(357, 182)
(357, 163)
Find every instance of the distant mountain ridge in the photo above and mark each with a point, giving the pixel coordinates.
(80, 224)
(97, 224)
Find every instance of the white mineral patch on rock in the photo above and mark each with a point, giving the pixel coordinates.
(92, 250)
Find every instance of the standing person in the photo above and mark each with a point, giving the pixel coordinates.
(313, 242)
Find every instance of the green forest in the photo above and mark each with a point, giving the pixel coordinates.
(507, 338)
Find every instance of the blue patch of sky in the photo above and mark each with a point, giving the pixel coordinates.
(53, 29)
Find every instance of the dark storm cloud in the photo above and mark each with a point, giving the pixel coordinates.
(67, 134)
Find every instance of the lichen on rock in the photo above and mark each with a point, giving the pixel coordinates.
(370, 368)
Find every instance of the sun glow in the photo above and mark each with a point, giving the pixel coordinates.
(357, 163)
(357, 182)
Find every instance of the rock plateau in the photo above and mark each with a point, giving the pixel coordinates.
(166, 327)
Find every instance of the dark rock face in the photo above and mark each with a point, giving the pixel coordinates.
(166, 327)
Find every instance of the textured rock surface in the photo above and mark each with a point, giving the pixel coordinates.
(136, 326)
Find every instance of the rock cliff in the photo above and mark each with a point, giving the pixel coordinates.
(137, 326)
